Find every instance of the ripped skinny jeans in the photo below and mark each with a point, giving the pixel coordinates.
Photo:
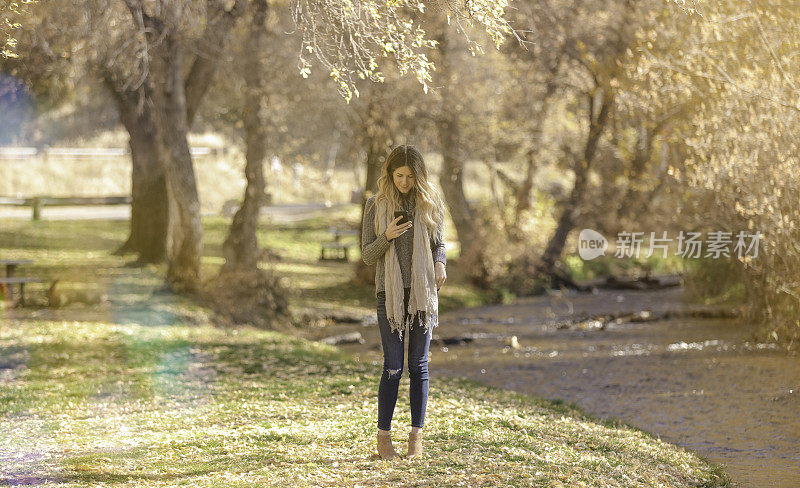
(393, 349)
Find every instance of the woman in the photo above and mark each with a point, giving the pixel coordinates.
(410, 269)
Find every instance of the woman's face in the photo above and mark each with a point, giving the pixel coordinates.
(403, 179)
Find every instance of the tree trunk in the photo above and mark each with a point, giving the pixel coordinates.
(603, 93)
(453, 187)
(153, 235)
(149, 218)
(241, 246)
(185, 231)
(378, 143)
(376, 138)
(523, 198)
(566, 222)
(451, 178)
(376, 155)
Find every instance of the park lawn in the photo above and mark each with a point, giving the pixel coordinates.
(79, 253)
(148, 391)
(91, 403)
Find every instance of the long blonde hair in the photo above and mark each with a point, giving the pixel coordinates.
(428, 200)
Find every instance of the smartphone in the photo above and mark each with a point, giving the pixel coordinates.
(406, 216)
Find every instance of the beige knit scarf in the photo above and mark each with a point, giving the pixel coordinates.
(423, 298)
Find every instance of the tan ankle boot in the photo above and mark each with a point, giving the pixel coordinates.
(385, 447)
(414, 444)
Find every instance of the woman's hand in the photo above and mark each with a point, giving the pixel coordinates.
(440, 274)
(393, 230)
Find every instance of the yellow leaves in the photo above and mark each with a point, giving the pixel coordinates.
(355, 33)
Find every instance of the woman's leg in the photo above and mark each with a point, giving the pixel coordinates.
(418, 345)
(392, 367)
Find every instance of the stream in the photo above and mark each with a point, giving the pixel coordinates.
(702, 384)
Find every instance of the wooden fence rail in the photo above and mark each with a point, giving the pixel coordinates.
(9, 152)
(37, 203)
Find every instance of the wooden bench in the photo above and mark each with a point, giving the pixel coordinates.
(336, 250)
(9, 280)
(21, 282)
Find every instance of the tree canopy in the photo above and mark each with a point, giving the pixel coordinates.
(350, 38)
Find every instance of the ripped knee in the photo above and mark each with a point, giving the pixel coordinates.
(419, 369)
(393, 373)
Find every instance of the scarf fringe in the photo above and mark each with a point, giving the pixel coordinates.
(426, 321)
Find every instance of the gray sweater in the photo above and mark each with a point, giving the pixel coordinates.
(373, 246)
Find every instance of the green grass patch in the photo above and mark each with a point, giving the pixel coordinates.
(131, 405)
(609, 265)
(79, 254)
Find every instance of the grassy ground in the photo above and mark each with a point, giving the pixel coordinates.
(78, 253)
(88, 403)
(147, 391)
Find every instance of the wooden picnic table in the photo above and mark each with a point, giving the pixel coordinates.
(10, 279)
(11, 265)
